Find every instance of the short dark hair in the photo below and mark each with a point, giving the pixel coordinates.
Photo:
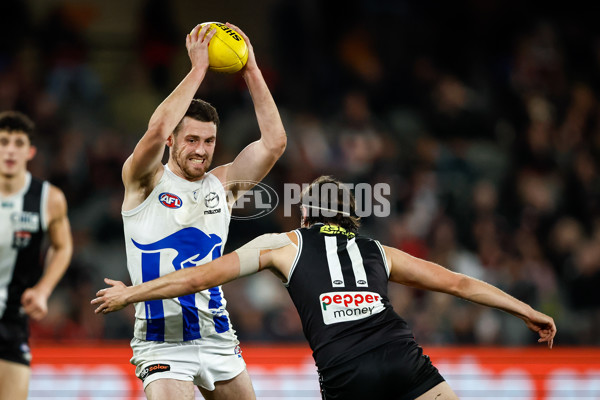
(200, 110)
(339, 209)
(15, 121)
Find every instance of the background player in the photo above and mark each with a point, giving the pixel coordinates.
(338, 282)
(177, 216)
(29, 208)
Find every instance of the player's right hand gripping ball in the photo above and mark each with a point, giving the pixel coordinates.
(227, 50)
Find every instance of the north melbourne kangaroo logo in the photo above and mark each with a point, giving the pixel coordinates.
(191, 245)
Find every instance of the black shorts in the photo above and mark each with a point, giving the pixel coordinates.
(394, 371)
(14, 345)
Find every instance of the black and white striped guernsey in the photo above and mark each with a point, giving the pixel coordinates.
(338, 284)
(22, 226)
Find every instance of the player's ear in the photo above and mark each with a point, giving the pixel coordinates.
(304, 213)
(170, 140)
(32, 152)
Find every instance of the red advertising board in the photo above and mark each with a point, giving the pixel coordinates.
(288, 372)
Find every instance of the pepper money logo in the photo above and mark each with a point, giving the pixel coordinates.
(349, 306)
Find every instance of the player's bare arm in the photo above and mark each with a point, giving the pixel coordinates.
(143, 168)
(421, 274)
(256, 160)
(279, 260)
(272, 251)
(35, 299)
(175, 284)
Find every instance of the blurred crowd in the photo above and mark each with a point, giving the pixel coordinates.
(483, 117)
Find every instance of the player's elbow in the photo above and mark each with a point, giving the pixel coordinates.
(194, 284)
(158, 128)
(182, 287)
(459, 285)
(278, 145)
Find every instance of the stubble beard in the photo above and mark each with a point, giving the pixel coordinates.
(190, 173)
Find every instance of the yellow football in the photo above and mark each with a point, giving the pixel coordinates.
(227, 50)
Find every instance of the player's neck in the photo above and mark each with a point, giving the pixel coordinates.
(12, 184)
(305, 225)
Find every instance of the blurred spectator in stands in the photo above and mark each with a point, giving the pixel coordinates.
(158, 40)
(70, 80)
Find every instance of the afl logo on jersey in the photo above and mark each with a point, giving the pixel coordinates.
(170, 200)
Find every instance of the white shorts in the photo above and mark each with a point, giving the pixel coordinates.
(202, 361)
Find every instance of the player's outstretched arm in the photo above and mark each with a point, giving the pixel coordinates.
(145, 161)
(179, 283)
(248, 259)
(256, 160)
(418, 273)
(35, 299)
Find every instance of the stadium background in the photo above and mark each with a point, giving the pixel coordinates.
(484, 118)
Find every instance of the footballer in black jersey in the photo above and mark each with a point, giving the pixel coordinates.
(338, 283)
(30, 210)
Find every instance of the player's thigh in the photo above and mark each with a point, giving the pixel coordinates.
(441, 391)
(14, 380)
(170, 389)
(239, 388)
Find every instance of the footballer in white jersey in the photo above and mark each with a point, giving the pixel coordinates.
(177, 216)
(181, 224)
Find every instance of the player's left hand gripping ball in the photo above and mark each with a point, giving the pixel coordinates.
(227, 50)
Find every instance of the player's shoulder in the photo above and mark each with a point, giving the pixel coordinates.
(54, 193)
(148, 180)
(220, 172)
(292, 236)
(56, 197)
(277, 240)
(364, 238)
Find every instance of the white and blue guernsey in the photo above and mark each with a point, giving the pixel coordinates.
(181, 224)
